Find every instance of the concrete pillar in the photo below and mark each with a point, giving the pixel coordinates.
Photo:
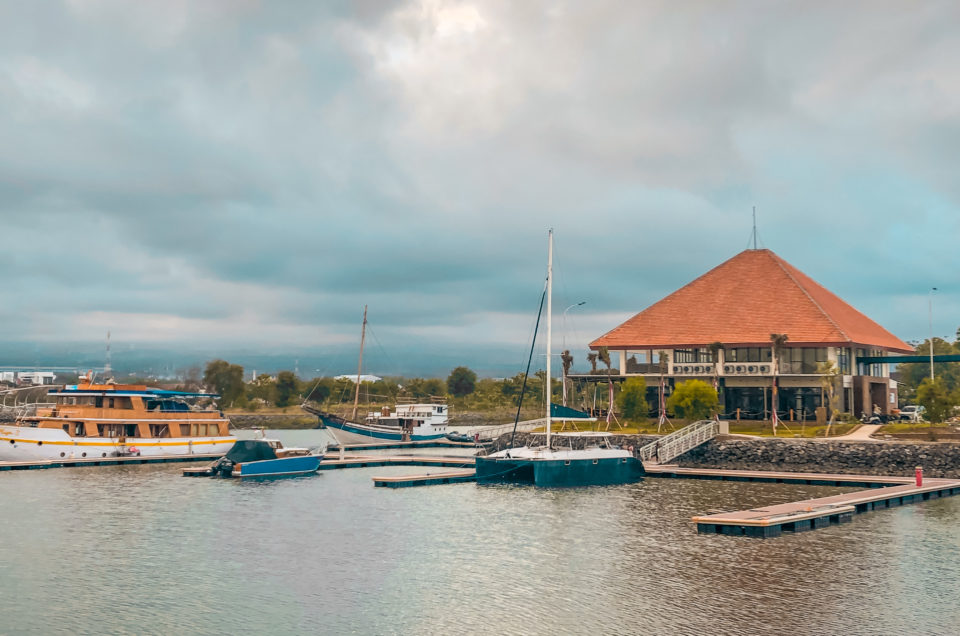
(623, 362)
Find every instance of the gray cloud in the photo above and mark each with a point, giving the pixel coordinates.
(253, 172)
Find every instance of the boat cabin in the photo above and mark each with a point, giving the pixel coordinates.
(116, 410)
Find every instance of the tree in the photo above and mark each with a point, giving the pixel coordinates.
(828, 384)
(567, 361)
(286, 388)
(319, 389)
(693, 400)
(592, 359)
(632, 400)
(461, 382)
(937, 401)
(777, 340)
(224, 378)
(715, 349)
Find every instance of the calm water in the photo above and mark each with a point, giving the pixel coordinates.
(141, 549)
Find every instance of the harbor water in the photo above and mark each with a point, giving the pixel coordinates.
(142, 550)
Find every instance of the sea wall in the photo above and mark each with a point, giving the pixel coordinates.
(941, 459)
(503, 441)
(272, 421)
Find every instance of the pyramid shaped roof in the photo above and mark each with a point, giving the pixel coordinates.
(744, 300)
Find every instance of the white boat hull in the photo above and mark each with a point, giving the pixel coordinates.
(22, 443)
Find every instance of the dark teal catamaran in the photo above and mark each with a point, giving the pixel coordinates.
(579, 459)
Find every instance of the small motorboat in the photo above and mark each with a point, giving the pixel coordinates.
(265, 458)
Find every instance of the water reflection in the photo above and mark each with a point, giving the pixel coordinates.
(141, 549)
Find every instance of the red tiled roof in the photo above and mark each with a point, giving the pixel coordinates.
(744, 300)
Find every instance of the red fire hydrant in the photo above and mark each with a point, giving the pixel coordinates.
(919, 475)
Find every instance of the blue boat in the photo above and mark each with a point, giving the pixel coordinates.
(265, 458)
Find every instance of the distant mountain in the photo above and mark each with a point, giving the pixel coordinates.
(150, 359)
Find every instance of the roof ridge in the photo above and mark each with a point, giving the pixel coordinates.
(780, 263)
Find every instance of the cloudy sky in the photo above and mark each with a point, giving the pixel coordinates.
(250, 174)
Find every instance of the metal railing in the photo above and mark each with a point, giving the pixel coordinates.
(679, 442)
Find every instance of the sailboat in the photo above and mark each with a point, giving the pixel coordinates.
(411, 421)
(580, 459)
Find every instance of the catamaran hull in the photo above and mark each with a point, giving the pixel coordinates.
(354, 433)
(25, 443)
(560, 473)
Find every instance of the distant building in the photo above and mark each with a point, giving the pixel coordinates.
(28, 377)
(363, 378)
(739, 304)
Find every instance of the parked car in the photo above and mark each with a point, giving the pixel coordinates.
(911, 413)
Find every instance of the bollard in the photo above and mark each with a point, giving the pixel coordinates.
(919, 475)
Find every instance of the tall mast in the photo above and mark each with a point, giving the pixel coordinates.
(363, 336)
(549, 323)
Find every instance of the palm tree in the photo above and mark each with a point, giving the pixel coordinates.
(778, 340)
(567, 360)
(604, 354)
(592, 359)
(715, 349)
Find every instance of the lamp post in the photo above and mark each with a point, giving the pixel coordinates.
(563, 339)
(930, 316)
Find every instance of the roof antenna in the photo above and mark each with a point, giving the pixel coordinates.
(754, 227)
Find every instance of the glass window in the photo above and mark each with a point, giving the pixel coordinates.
(684, 355)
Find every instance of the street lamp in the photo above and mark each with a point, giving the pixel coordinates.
(930, 314)
(563, 338)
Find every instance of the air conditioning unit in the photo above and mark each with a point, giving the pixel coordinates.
(685, 370)
(727, 368)
(739, 370)
(750, 369)
(763, 369)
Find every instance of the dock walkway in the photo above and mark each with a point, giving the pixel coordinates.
(810, 514)
(105, 461)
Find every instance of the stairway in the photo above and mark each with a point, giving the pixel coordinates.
(679, 442)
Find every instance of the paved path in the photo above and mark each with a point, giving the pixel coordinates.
(862, 433)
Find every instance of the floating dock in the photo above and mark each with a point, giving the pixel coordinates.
(333, 461)
(811, 514)
(433, 443)
(105, 461)
(406, 481)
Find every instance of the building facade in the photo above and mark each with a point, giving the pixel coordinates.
(719, 329)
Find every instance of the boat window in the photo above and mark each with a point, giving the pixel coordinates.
(110, 402)
(98, 402)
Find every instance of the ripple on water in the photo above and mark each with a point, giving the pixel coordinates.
(140, 549)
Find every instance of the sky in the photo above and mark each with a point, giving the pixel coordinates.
(245, 176)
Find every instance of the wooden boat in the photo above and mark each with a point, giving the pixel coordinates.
(117, 420)
(415, 422)
(406, 422)
(598, 462)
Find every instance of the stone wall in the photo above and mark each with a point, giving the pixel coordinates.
(272, 421)
(503, 441)
(940, 459)
(861, 458)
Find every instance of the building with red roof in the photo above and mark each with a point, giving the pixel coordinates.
(739, 305)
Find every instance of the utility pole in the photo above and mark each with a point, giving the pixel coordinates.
(930, 315)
